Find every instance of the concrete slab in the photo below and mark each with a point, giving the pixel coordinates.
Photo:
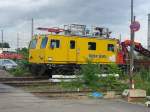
(137, 93)
(134, 93)
(15, 100)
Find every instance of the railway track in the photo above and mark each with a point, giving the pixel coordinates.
(29, 81)
(22, 79)
(61, 94)
(32, 84)
(53, 90)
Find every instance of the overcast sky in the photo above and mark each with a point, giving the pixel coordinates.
(15, 16)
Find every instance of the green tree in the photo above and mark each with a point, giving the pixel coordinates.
(24, 51)
(4, 45)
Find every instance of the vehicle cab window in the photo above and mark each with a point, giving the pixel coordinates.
(55, 43)
(91, 45)
(33, 44)
(44, 42)
(111, 47)
(72, 44)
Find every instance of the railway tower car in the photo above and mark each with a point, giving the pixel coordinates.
(64, 50)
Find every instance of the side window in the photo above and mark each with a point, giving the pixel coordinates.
(55, 43)
(7, 62)
(44, 42)
(91, 45)
(111, 47)
(72, 44)
(33, 44)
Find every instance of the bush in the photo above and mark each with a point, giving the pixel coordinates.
(142, 80)
(19, 71)
(145, 74)
(22, 68)
(89, 77)
(110, 82)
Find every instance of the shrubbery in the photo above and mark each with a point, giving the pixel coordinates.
(22, 69)
(142, 80)
(90, 77)
(18, 71)
(23, 65)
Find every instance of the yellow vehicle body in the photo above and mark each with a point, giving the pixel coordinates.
(72, 50)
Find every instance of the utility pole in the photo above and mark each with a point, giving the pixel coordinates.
(32, 28)
(17, 42)
(132, 49)
(2, 32)
(120, 37)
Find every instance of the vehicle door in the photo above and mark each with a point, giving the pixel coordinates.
(42, 49)
(72, 51)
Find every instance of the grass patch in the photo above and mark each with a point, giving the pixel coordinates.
(142, 80)
(21, 70)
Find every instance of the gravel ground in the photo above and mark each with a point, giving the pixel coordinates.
(4, 74)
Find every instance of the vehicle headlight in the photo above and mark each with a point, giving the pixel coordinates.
(9, 66)
(49, 59)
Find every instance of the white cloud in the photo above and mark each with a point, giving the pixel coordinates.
(15, 16)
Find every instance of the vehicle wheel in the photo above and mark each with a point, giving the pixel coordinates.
(32, 69)
(37, 70)
(48, 73)
(41, 69)
(4, 68)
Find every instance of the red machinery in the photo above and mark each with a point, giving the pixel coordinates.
(55, 30)
(123, 55)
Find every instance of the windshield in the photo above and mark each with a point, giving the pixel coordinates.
(44, 42)
(33, 44)
(8, 62)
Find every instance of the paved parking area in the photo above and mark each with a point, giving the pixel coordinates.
(14, 100)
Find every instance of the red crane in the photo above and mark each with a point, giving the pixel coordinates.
(55, 30)
(124, 54)
(138, 47)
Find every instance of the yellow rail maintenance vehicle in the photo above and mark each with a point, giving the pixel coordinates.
(64, 50)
